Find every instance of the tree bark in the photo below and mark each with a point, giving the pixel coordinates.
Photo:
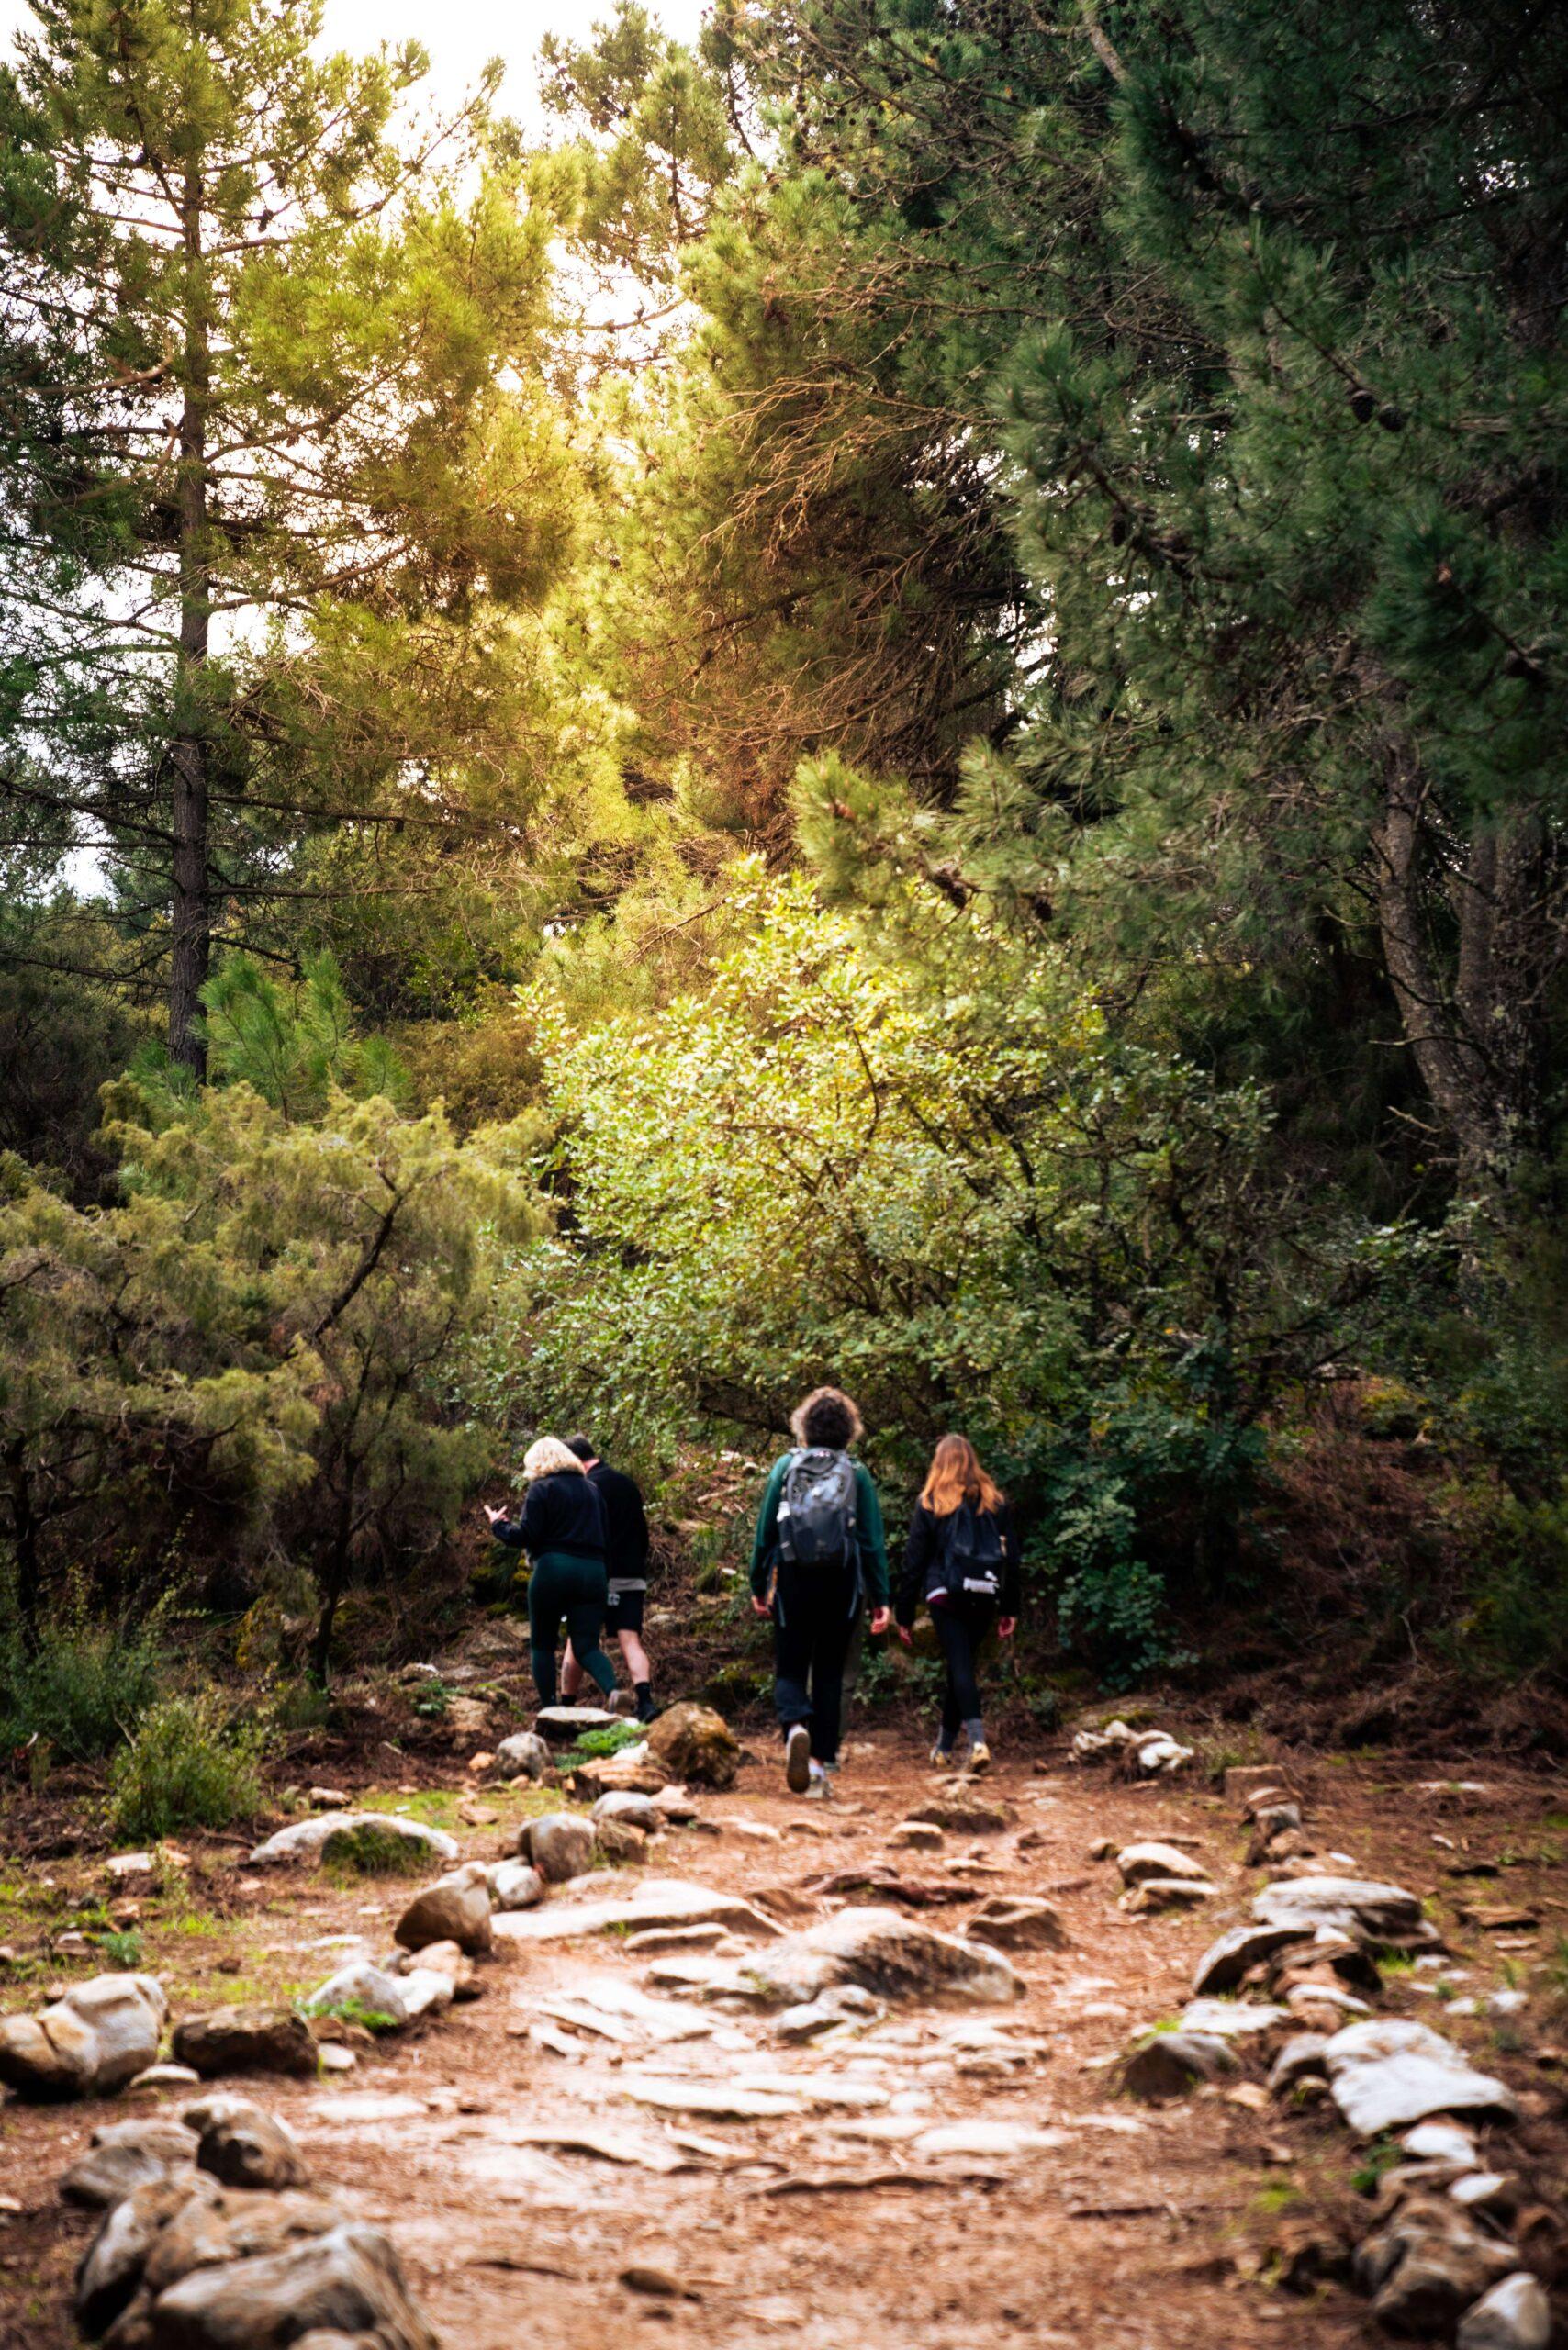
(192, 907)
(1474, 1019)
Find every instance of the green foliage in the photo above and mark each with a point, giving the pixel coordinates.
(122, 1949)
(594, 1745)
(356, 2012)
(189, 1764)
(82, 1687)
(946, 1181)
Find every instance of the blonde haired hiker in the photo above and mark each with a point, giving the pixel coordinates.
(962, 1559)
(562, 1528)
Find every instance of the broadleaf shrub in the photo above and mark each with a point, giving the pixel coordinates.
(190, 1764)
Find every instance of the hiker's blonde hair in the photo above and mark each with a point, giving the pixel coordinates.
(544, 1457)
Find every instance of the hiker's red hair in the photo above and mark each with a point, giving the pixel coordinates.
(955, 1475)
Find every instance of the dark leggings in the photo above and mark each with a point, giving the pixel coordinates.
(813, 1614)
(961, 1628)
(577, 1589)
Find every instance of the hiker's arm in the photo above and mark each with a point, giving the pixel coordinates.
(872, 1539)
(916, 1551)
(766, 1540)
(1011, 1563)
(503, 1529)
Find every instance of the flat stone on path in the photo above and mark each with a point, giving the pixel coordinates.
(1011, 1922)
(1137, 1863)
(884, 1952)
(1352, 1904)
(1232, 2018)
(1390, 2071)
(715, 2101)
(658, 1902)
(962, 1816)
(606, 2145)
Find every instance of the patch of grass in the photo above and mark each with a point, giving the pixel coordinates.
(1382, 2156)
(1397, 1962)
(365, 1851)
(1276, 2195)
(433, 1701)
(122, 1949)
(596, 1745)
(354, 2011)
(188, 1766)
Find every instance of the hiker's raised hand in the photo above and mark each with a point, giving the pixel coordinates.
(495, 1516)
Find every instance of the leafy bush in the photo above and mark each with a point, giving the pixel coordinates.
(189, 1765)
(81, 1690)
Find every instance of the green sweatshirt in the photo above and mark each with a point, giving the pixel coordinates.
(869, 1534)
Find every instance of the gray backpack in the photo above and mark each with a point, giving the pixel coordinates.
(816, 1508)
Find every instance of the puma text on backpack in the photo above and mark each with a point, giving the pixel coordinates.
(816, 1508)
(972, 1553)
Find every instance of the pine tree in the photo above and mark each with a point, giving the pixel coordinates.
(272, 383)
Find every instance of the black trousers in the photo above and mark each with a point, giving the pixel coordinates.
(814, 1610)
(961, 1625)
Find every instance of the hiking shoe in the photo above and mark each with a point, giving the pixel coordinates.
(979, 1757)
(798, 1759)
(941, 1758)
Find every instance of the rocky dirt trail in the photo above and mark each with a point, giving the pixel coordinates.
(605, 2133)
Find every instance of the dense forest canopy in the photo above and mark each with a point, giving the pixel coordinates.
(891, 708)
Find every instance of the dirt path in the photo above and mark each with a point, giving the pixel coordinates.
(1127, 2227)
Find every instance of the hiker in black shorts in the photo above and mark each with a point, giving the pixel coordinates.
(626, 1544)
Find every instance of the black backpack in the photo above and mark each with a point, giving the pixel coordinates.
(972, 1553)
(816, 1508)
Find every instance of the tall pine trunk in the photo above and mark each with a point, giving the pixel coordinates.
(192, 903)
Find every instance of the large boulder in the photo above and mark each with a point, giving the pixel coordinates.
(347, 2281)
(455, 1909)
(559, 1844)
(525, 1755)
(124, 2155)
(342, 1834)
(885, 1953)
(1426, 2265)
(245, 2040)
(89, 2043)
(1388, 2072)
(115, 2262)
(697, 1744)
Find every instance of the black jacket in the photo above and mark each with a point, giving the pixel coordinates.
(562, 1512)
(625, 1526)
(926, 1555)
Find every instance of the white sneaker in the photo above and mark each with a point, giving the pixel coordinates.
(798, 1763)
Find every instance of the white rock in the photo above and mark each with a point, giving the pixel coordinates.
(1515, 2315)
(1389, 2071)
(1349, 1903)
(884, 1952)
(362, 1985)
(308, 1836)
(633, 1810)
(514, 1884)
(1232, 2018)
(425, 1990)
(1439, 2142)
(986, 2138)
(659, 1901)
(91, 2042)
(1138, 1862)
(523, 1756)
(126, 1865)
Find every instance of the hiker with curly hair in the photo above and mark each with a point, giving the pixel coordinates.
(820, 1553)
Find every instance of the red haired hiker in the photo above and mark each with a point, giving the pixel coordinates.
(962, 1559)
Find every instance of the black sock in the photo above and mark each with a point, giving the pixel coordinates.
(643, 1692)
